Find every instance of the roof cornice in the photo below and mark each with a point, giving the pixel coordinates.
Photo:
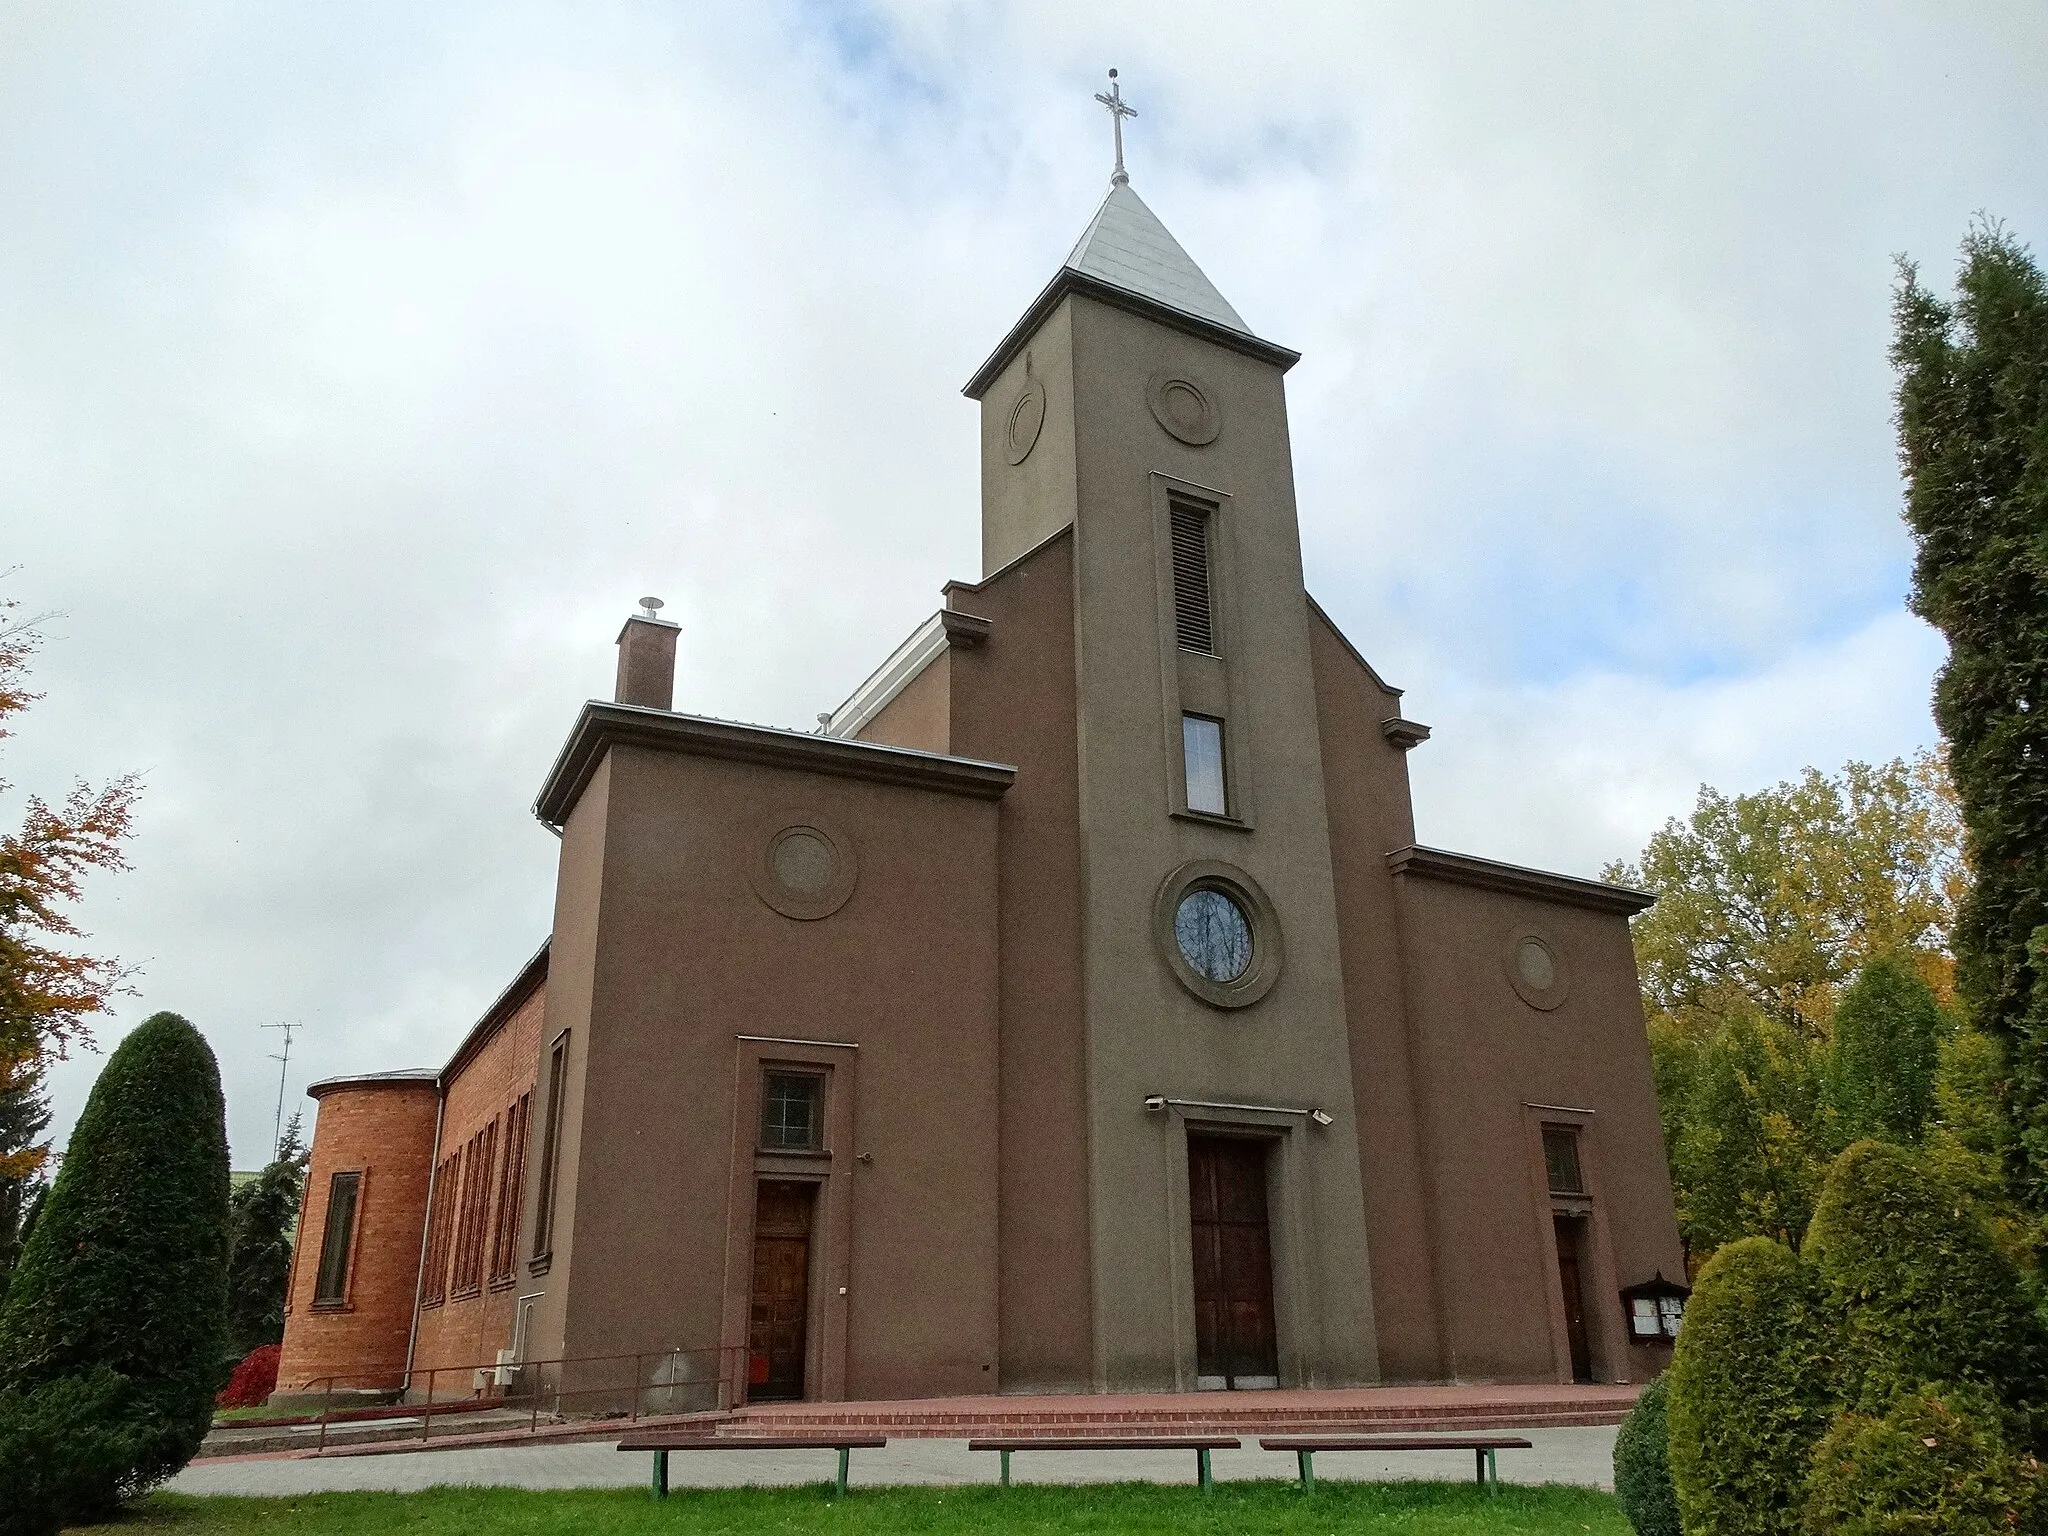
(603, 726)
(1067, 280)
(508, 1002)
(428, 1078)
(1487, 874)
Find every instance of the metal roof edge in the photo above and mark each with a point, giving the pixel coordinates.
(1067, 280)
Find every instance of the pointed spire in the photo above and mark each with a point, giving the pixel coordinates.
(1127, 247)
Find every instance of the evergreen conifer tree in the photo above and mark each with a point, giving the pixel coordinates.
(24, 1116)
(1880, 1070)
(260, 1218)
(1973, 436)
(126, 1270)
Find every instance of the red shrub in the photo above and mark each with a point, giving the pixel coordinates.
(254, 1379)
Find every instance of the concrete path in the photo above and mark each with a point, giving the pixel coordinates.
(1567, 1455)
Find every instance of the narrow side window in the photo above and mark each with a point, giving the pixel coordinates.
(1561, 1160)
(330, 1289)
(1202, 748)
(551, 1142)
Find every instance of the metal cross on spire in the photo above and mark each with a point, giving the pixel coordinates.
(1113, 99)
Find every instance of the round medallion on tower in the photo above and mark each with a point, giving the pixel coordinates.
(1027, 417)
(1183, 408)
(1218, 933)
(804, 869)
(1535, 968)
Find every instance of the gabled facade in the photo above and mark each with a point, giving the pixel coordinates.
(1075, 1009)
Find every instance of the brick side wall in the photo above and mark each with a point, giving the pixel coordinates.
(469, 1328)
(385, 1130)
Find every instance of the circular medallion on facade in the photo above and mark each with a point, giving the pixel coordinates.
(1027, 416)
(1184, 408)
(1536, 969)
(804, 869)
(1218, 932)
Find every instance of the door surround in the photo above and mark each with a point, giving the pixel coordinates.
(1295, 1324)
(1598, 1282)
(831, 1168)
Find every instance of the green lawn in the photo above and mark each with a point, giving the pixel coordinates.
(1238, 1509)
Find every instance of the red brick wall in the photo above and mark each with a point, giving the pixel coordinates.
(467, 1330)
(386, 1130)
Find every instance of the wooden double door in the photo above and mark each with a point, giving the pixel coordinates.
(779, 1318)
(1235, 1340)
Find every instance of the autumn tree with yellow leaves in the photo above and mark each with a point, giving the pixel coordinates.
(49, 989)
(1800, 995)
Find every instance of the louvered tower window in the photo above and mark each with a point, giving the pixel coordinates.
(1194, 624)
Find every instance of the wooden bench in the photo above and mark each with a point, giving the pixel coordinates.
(661, 1442)
(1199, 1445)
(1482, 1448)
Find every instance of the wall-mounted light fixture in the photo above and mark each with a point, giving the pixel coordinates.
(1322, 1117)
(1155, 1103)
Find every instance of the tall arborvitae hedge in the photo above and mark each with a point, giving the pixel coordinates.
(126, 1271)
(1973, 436)
(1751, 1391)
(1922, 1292)
(260, 1217)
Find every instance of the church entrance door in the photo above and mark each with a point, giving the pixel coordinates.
(1568, 1229)
(782, 1291)
(1235, 1344)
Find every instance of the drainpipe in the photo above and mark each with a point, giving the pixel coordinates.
(419, 1284)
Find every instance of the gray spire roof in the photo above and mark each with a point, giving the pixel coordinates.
(1127, 247)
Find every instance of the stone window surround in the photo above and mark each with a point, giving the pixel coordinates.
(1196, 684)
(355, 1244)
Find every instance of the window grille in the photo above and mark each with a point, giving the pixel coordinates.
(1194, 626)
(330, 1288)
(1561, 1160)
(791, 1112)
(477, 1160)
(511, 1191)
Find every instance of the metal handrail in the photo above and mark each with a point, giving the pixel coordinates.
(730, 1362)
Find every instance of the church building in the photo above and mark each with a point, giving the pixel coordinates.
(1073, 1010)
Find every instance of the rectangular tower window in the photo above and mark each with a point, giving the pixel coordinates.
(331, 1288)
(1194, 627)
(1561, 1160)
(550, 1149)
(1202, 749)
(791, 1118)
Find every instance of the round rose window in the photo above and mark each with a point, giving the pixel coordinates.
(1214, 935)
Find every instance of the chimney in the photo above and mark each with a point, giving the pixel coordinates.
(647, 658)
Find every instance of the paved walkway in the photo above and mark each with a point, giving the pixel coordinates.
(1577, 1454)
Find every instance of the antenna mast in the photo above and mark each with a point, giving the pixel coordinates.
(283, 1059)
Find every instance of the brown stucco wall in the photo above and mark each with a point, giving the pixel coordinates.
(687, 959)
(1366, 783)
(1482, 1055)
(1013, 702)
(572, 972)
(920, 716)
(385, 1129)
(470, 1330)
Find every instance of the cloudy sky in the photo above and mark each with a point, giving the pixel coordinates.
(360, 365)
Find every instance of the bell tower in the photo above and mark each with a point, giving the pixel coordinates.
(1133, 404)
